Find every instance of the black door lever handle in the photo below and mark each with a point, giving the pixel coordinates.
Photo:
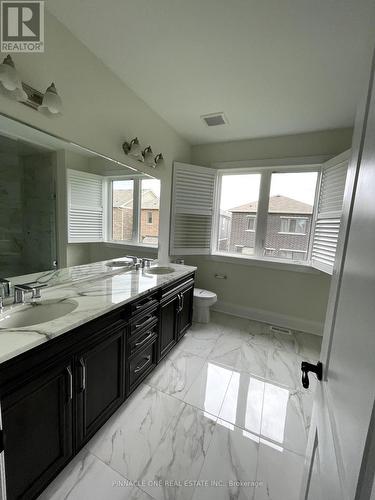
(308, 367)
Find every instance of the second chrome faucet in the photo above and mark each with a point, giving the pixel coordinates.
(20, 291)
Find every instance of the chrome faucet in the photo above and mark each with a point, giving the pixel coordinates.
(4, 292)
(146, 262)
(133, 257)
(20, 291)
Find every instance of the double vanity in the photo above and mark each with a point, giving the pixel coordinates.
(70, 358)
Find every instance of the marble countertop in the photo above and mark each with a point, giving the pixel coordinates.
(95, 289)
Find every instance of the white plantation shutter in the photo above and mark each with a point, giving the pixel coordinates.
(85, 212)
(192, 209)
(329, 211)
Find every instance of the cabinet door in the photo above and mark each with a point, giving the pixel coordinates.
(100, 374)
(186, 311)
(37, 423)
(168, 324)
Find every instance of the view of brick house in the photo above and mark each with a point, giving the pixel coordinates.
(288, 228)
(122, 216)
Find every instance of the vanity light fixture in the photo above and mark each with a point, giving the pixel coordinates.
(133, 149)
(11, 80)
(51, 101)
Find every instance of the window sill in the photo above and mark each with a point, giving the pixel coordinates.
(280, 264)
(292, 234)
(130, 244)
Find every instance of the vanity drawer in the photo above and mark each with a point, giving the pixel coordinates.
(141, 364)
(137, 342)
(176, 287)
(143, 321)
(143, 304)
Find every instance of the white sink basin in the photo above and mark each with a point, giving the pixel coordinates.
(160, 270)
(36, 313)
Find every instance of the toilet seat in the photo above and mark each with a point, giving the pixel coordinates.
(203, 295)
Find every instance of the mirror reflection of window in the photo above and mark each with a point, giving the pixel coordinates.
(150, 207)
(122, 210)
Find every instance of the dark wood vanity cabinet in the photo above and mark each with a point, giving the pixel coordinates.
(168, 324)
(185, 311)
(176, 311)
(57, 395)
(37, 422)
(99, 382)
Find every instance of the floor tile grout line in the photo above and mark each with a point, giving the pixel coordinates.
(119, 473)
(178, 412)
(151, 455)
(225, 395)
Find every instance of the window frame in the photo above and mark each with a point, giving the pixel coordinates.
(262, 212)
(150, 217)
(252, 218)
(285, 217)
(137, 194)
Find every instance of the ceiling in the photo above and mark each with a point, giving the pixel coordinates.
(274, 67)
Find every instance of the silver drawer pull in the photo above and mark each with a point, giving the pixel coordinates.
(83, 368)
(139, 368)
(147, 320)
(150, 334)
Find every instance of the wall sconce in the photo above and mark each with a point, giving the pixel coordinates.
(149, 158)
(133, 149)
(49, 102)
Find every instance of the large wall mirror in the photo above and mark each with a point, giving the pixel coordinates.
(62, 205)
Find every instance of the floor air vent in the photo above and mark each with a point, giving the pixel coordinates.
(280, 329)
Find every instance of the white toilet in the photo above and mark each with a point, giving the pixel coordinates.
(203, 300)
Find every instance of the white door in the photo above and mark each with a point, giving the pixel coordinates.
(340, 461)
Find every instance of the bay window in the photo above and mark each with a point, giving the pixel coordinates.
(269, 213)
(284, 213)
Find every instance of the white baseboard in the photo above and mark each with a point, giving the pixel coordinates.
(293, 322)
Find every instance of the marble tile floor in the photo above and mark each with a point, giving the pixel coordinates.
(224, 416)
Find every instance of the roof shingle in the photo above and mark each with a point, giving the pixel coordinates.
(123, 198)
(279, 205)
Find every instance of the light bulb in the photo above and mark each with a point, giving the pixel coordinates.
(149, 157)
(51, 100)
(9, 76)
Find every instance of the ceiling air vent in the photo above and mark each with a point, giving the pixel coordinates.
(214, 119)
